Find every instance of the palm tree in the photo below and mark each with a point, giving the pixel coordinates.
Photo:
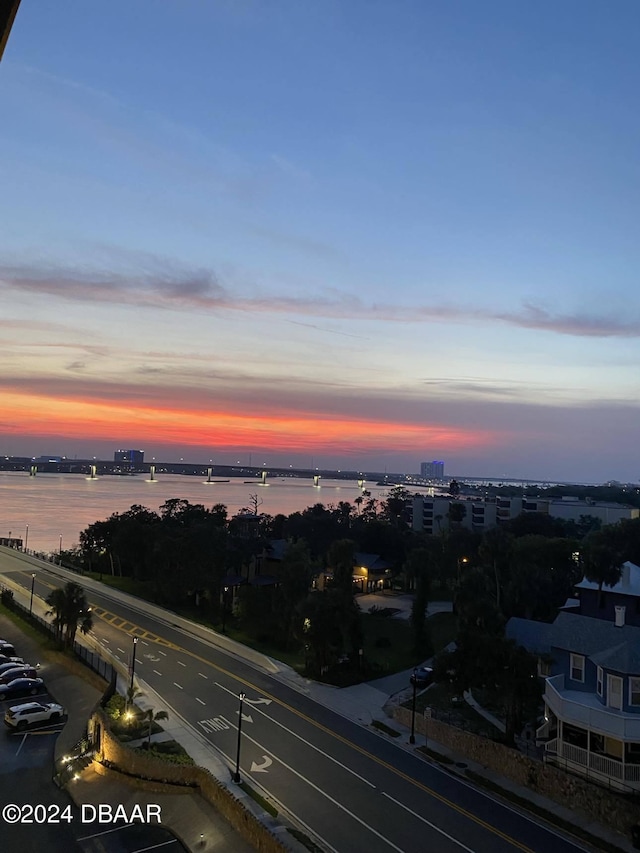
(602, 559)
(70, 608)
(151, 717)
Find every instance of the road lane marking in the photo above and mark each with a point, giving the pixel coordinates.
(318, 789)
(200, 701)
(121, 650)
(181, 664)
(178, 685)
(143, 643)
(428, 822)
(156, 672)
(202, 675)
(299, 737)
(361, 750)
(161, 652)
(22, 744)
(380, 761)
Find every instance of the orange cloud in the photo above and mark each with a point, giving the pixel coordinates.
(31, 414)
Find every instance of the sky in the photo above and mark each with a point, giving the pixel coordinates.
(358, 234)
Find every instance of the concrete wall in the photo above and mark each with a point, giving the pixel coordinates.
(119, 756)
(596, 803)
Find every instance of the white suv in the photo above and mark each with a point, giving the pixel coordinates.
(22, 716)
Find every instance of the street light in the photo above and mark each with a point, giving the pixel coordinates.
(26, 538)
(236, 775)
(133, 666)
(224, 607)
(412, 736)
(60, 549)
(33, 580)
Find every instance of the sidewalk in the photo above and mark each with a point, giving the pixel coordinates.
(364, 703)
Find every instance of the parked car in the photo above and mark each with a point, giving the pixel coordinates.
(5, 667)
(21, 716)
(21, 687)
(422, 676)
(7, 649)
(22, 671)
(10, 659)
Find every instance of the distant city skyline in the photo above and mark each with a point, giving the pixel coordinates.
(363, 234)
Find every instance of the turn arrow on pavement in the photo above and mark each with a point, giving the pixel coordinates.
(261, 768)
(260, 701)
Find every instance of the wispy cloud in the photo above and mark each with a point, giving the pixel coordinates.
(166, 285)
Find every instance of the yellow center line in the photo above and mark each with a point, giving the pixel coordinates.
(143, 634)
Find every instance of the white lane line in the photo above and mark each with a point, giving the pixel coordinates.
(121, 650)
(202, 675)
(143, 643)
(355, 817)
(156, 672)
(105, 640)
(139, 661)
(178, 685)
(200, 701)
(181, 664)
(296, 735)
(117, 657)
(22, 744)
(428, 822)
(162, 653)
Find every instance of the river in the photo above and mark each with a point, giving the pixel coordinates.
(61, 505)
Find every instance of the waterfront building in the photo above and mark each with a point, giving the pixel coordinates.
(129, 458)
(432, 470)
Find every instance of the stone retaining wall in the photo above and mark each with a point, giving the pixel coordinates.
(119, 756)
(611, 810)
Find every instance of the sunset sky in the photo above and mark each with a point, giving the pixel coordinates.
(357, 234)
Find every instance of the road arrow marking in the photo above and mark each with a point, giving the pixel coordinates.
(261, 768)
(246, 717)
(260, 701)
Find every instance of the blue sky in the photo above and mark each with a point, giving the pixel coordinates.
(371, 233)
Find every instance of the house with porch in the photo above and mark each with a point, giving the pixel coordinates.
(592, 691)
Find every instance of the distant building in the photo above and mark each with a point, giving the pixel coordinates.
(50, 458)
(431, 513)
(130, 458)
(432, 470)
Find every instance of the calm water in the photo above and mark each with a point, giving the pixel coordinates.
(64, 504)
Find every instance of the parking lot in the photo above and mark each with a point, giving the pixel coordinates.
(49, 820)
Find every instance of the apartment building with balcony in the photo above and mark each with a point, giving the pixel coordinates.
(592, 692)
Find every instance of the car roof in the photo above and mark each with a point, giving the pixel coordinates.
(27, 705)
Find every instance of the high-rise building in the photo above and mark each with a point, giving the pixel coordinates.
(432, 470)
(130, 458)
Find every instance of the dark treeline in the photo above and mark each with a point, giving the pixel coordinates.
(193, 557)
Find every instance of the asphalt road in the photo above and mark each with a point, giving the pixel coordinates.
(351, 788)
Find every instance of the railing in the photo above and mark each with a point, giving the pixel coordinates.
(566, 754)
(91, 659)
(579, 712)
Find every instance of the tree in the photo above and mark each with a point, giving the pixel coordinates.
(456, 514)
(150, 717)
(419, 567)
(602, 558)
(294, 582)
(70, 608)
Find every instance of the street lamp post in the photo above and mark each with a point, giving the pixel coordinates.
(26, 538)
(225, 590)
(133, 665)
(412, 736)
(60, 549)
(236, 775)
(33, 580)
